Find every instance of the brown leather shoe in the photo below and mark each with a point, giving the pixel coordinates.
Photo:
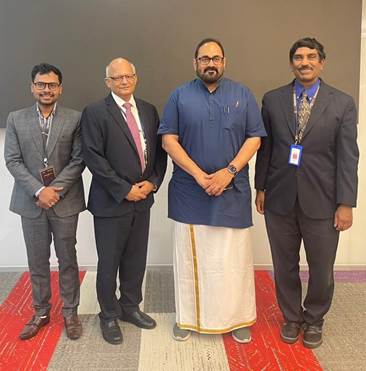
(73, 327)
(33, 326)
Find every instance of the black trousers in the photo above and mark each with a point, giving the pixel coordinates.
(285, 233)
(121, 247)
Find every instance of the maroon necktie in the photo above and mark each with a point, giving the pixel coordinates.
(132, 125)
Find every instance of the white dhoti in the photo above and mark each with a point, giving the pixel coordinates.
(213, 278)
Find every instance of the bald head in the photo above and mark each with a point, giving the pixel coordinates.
(121, 78)
(118, 63)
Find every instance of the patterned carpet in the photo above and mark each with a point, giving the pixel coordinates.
(144, 350)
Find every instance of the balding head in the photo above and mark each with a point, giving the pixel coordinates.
(121, 78)
(116, 63)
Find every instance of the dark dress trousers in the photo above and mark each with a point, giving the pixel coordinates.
(300, 202)
(121, 227)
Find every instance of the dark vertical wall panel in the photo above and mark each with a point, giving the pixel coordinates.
(159, 36)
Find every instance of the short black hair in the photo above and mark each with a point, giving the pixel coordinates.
(209, 40)
(44, 69)
(308, 42)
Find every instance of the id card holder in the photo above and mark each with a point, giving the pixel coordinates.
(295, 155)
(47, 175)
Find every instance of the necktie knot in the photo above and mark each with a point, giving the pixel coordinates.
(304, 96)
(127, 105)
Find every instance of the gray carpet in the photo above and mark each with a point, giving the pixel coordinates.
(159, 290)
(91, 352)
(344, 346)
(7, 282)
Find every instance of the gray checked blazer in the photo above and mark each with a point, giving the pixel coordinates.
(24, 155)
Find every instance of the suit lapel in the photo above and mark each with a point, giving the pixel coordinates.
(35, 130)
(56, 128)
(119, 120)
(287, 106)
(321, 102)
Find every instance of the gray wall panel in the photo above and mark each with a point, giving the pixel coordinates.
(159, 36)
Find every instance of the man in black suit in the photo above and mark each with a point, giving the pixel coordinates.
(306, 181)
(123, 152)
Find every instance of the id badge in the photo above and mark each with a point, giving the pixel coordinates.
(295, 155)
(47, 175)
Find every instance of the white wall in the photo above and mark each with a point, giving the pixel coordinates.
(351, 252)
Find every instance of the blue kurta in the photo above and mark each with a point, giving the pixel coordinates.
(212, 128)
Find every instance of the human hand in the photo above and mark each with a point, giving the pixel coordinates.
(343, 218)
(49, 197)
(136, 194)
(259, 201)
(146, 186)
(203, 179)
(218, 181)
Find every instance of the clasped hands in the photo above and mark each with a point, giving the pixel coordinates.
(48, 197)
(216, 183)
(140, 191)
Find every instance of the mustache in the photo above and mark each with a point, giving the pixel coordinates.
(211, 69)
(305, 68)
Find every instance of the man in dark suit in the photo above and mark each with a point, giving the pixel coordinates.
(306, 181)
(123, 152)
(43, 153)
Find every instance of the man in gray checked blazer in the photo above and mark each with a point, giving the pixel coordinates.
(43, 154)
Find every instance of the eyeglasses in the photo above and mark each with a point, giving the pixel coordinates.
(216, 59)
(40, 85)
(129, 78)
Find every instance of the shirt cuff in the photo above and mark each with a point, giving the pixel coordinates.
(39, 191)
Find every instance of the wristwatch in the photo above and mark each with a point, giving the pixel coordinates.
(232, 169)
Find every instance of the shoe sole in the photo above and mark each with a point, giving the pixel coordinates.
(289, 340)
(180, 338)
(312, 345)
(246, 341)
(138, 325)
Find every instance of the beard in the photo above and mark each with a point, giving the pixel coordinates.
(209, 75)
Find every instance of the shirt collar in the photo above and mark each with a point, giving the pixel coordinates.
(120, 102)
(203, 86)
(40, 114)
(311, 91)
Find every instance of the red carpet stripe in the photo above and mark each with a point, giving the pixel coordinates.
(15, 312)
(267, 351)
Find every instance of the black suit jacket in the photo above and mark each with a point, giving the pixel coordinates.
(110, 154)
(327, 175)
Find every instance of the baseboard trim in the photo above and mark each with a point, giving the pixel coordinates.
(303, 267)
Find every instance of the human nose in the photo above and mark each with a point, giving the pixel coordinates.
(211, 62)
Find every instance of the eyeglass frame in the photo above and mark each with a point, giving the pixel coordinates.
(219, 60)
(129, 77)
(51, 85)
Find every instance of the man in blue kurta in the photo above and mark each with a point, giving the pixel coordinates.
(211, 128)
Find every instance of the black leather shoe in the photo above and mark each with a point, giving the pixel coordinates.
(139, 319)
(313, 336)
(290, 332)
(111, 331)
